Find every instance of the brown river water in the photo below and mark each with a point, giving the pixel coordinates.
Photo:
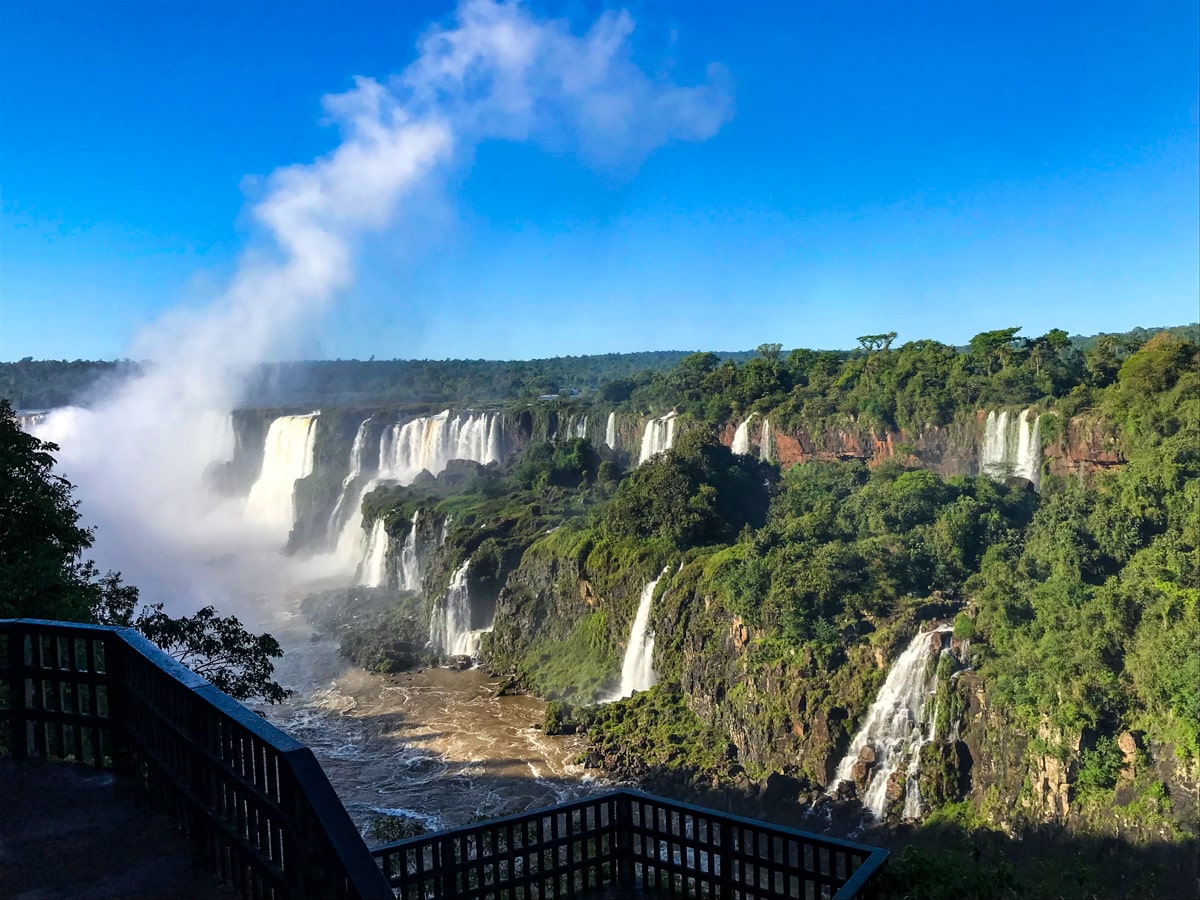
(438, 745)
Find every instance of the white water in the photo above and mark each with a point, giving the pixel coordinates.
(658, 436)
(764, 442)
(1012, 446)
(610, 431)
(409, 569)
(428, 443)
(581, 427)
(451, 622)
(405, 450)
(373, 572)
(356, 458)
(892, 728)
(637, 670)
(287, 456)
(741, 437)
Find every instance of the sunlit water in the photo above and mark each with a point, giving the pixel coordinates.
(438, 745)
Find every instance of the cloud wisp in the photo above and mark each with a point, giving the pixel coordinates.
(496, 71)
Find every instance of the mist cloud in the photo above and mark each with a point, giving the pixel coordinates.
(495, 72)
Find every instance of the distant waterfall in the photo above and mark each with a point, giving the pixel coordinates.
(892, 734)
(356, 460)
(409, 569)
(610, 431)
(450, 624)
(1012, 446)
(373, 572)
(287, 456)
(765, 450)
(741, 437)
(428, 443)
(637, 670)
(658, 436)
(581, 427)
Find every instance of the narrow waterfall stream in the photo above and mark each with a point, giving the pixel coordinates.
(637, 669)
(893, 731)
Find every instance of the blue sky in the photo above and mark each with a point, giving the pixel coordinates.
(937, 169)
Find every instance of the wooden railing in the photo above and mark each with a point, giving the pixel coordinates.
(255, 802)
(626, 839)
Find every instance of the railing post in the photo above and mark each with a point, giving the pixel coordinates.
(118, 703)
(624, 826)
(17, 718)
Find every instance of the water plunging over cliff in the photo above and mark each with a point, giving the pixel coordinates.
(432, 441)
(741, 437)
(1012, 446)
(338, 516)
(373, 572)
(610, 431)
(892, 729)
(637, 671)
(287, 456)
(658, 436)
(450, 625)
(409, 568)
(581, 427)
(764, 442)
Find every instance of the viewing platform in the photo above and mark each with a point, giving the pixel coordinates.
(124, 774)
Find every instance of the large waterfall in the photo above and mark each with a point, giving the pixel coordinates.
(658, 436)
(1012, 446)
(580, 429)
(637, 670)
(610, 431)
(373, 572)
(450, 625)
(741, 437)
(287, 456)
(892, 733)
(428, 443)
(405, 450)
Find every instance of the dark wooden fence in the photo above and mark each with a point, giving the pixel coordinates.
(626, 839)
(254, 801)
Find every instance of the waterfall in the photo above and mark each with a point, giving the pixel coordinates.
(287, 456)
(428, 443)
(610, 431)
(373, 572)
(658, 436)
(892, 729)
(637, 670)
(356, 459)
(741, 437)
(581, 427)
(764, 442)
(409, 574)
(450, 625)
(1012, 446)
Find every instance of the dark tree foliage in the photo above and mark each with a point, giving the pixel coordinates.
(43, 575)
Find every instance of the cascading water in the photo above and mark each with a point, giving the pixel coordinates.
(741, 437)
(287, 456)
(450, 625)
(581, 427)
(637, 670)
(892, 729)
(373, 572)
(764, 442)
(428, 443)
(658, 436)
(610, 431)
(337, 517)
(409, 570)
(1012, 446)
